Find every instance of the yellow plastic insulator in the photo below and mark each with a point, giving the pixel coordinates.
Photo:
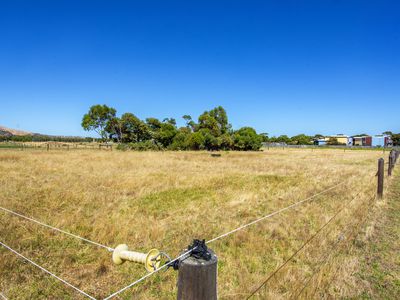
(151, 260)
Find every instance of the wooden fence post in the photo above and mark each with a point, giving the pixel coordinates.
(48, 147)
(391, 161)
(197, 278)
(381, 174)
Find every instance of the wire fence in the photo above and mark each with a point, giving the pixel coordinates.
(46, 271)
(308, 241)
(55, 146)
(188, 252)
(56, 229)
(351, 234)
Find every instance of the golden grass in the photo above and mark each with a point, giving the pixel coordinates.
(164, 200)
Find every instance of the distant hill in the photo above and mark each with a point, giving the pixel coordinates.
(4, 131)
(8, 134)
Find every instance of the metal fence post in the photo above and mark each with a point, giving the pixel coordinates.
(381, 174)
(197, 278)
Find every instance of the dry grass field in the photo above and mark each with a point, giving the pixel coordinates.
(166, 199)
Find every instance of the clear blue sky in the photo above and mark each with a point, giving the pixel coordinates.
(283, 67)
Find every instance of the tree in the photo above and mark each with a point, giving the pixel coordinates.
(301, 139)
(318, 136)
(246, 138)
(97, 118)
(165, 134)
(225, 142)
(114, 129)
(189, 122)
(396, 139)
(264, 137)
(171, 121)
(180, 140)
(133, 129)
(388, 133)
(210, 142)
(196, 141)
(283, 139)
(219, 114)
(206, 121)
(215, 120)
(153, 123)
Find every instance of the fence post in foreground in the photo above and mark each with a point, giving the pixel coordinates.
(381, 174)
(197, 277)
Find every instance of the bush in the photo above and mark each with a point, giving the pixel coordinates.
(141, 146)
(246, 138)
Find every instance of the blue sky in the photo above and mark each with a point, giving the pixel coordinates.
(283, 67)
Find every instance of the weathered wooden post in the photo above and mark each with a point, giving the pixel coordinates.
(381, 174)
(48, 146)
(391, 162)
(197, 278)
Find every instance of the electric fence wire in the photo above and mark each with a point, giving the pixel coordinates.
(328, 255)
(48, 272)
(2, 296)
(226, 234)
(275, 213)
(309, 240)
(56, 229)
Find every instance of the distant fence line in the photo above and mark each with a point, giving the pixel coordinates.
(55, 146)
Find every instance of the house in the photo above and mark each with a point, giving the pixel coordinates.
(381, 140)
(341, 138)
(365, 140)
(320, 142)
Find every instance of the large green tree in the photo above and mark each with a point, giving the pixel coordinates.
(301, 139)
(133, 129)
(97, 119)
(215, 120)
(246, 138)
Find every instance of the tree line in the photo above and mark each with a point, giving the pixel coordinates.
(211, 131)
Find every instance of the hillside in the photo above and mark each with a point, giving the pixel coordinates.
(4, 131)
